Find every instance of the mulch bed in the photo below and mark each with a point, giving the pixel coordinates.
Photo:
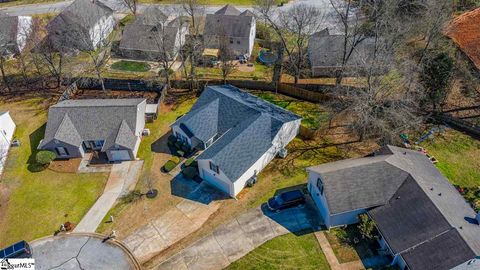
(65, 166)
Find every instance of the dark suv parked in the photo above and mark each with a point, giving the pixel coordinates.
(286, 200)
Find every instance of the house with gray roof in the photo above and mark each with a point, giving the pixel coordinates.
(81, 26)
(325, 53)
(237, 28)
(113, 126)
(14, 32)
(237, 133)
(153, 36)
(423, 221)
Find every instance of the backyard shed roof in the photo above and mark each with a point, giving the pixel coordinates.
(113, 120)
(245, 126)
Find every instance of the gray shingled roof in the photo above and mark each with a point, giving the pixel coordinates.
(70, 28)
(244, 124)
(325, 50)
(75, 121)
(147, 35)
(422, 207)
(230, 22)
(228, 10)
(8, 35)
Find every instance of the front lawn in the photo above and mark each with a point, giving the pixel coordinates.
(458, 155)
(34, 204)
(285, 252)
(131, 66)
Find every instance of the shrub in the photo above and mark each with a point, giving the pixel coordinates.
(172, 138)
(191, 162)
(178, 145)
(45, 157)
(175, 160)
(169, 165)
(255, 78)
(180, 153)
(189, 172)
(185, 148)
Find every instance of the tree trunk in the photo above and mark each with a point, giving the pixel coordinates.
(4, 76)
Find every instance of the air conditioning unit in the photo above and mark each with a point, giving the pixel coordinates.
(283, 153)
(146, 132)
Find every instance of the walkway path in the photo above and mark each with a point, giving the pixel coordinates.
(179, 222)
(234, 240)
(122, 176)
(332, 259)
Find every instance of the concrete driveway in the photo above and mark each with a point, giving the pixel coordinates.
(234, 240)
(201, 201)
(81, 251)
(122, 178)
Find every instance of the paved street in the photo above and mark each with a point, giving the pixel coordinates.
(81, 251)
(235, 239)
(324, 5)
(122, 176)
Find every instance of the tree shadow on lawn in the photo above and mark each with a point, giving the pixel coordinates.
(35, 138)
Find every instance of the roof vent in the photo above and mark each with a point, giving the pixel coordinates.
(398, 197)
(439, 194)
(431, 188)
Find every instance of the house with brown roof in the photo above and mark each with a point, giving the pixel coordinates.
(464, 30)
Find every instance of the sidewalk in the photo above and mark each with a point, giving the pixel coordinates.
(122, 176)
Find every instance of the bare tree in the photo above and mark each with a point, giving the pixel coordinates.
(193, 10)
(388, 104)
(353, 32)
(293, 27)
(168, 38)
(131, 5)
(226, 57)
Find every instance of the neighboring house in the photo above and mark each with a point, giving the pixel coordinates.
(113, 126)
(325, 52)
(81, 26)
(423, 221)
(14, 31)
(237, 29)
(239, 133)
(464, 30)
(152, 36)
(7, 128)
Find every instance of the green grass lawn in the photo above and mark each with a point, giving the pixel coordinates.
(313, 115)
(458, 155)
(132, 66)
(39, 201)
(285, 252)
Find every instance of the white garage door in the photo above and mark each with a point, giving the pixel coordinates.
(120, 155)
(215, 182)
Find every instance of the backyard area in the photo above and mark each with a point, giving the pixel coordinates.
(34, 203)
(289, 251)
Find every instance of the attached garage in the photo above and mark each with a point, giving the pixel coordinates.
(120, 155)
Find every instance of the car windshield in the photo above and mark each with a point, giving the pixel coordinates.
(279, 200)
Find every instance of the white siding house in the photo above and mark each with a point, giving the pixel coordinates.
(237, 133)
(7, 129)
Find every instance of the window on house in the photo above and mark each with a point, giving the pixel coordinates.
(231, 41)
(320, 185)
(61, 151)
(238, 41)
(214, 167)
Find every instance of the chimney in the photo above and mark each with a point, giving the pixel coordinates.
(478, 218)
